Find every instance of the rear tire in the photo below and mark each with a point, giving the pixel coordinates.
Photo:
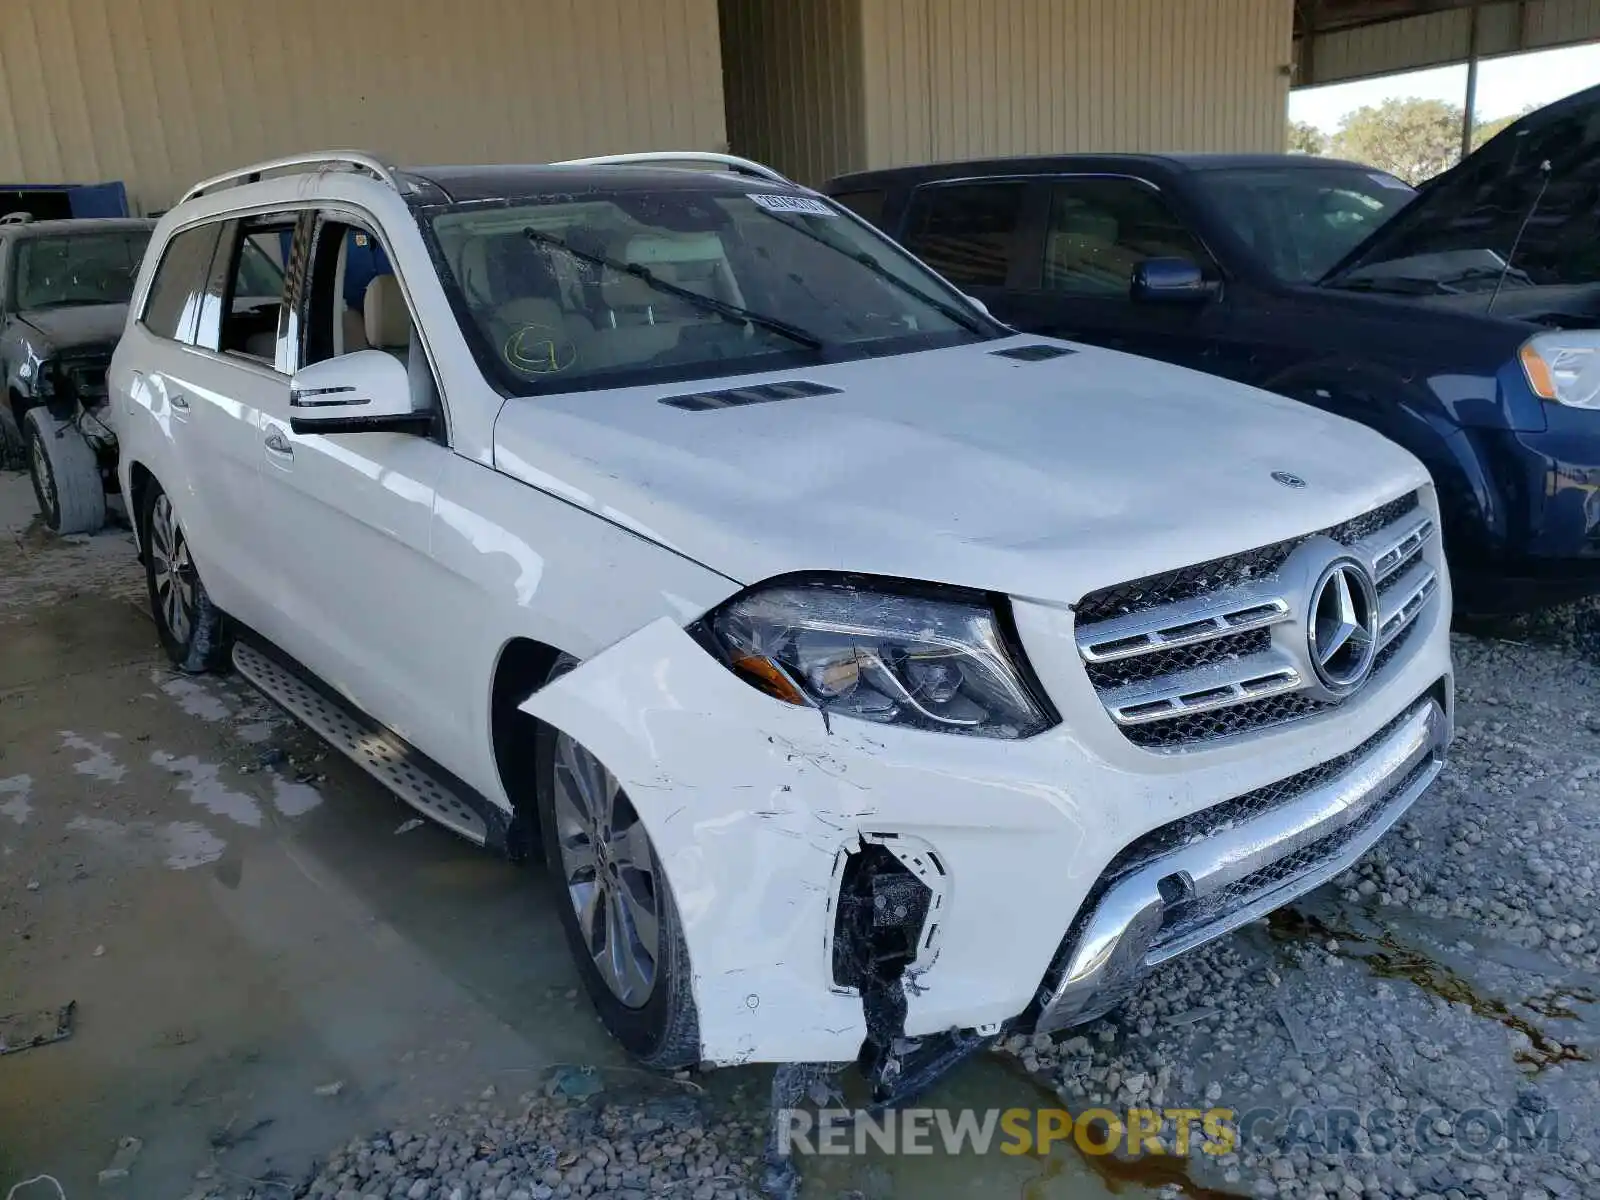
(13, 446)
(194, 631)
(616, 907)
(66, 475)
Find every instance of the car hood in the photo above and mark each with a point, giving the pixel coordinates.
(79, 325)
(1044, 479)
(1482, 202)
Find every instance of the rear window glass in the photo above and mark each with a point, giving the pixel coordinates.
(868, 205)
(175, 292)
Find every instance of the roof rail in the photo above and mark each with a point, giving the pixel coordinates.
(351, 159)
(740, 166)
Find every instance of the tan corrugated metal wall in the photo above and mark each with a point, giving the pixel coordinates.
(162, 92)
(964, 78)
(792, 75)
(1434, 39)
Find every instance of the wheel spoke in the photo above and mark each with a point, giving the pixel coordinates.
(572, 768)
(637, 893)
(632, 970)
(630, 847)
(608, 870)
(177, 617)
(589, 902)
(578, 858)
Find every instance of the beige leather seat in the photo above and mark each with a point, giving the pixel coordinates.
(355, 329)
(641, 323)
(386, 322)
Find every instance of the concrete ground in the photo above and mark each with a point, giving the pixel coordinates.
(267, 959)
(235, 914)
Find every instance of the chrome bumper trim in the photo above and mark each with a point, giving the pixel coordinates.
(1122, 936)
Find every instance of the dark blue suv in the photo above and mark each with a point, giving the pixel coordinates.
(1462, 321)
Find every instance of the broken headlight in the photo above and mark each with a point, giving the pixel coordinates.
(924, 660)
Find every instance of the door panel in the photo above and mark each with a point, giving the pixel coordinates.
(225, 392)
(1096, 230)
(216, 406)
(349, 518)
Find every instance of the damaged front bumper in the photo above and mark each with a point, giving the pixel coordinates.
(1163, 900)
(844, 884)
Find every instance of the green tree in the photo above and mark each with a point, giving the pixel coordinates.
(1412, 138)
(1306, 138)
(1484, 130)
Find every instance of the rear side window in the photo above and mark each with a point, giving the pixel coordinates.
(1101, 229)
(867, 205)
(174, 300)
(243, 309)
(967, 232)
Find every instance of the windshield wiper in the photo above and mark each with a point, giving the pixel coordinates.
(735, 313)
(1406, 285)
(964, 319)
(80, 302)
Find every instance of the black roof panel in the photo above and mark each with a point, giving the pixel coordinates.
(1047, 164)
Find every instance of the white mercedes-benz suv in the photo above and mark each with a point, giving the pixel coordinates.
(871, 680)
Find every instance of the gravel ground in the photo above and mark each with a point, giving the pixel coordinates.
(1424, 1027)
(1445, 990)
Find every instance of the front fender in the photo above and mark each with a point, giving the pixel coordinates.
(750, 805)
(1419, 414)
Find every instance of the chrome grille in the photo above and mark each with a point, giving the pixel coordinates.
(1198, 653)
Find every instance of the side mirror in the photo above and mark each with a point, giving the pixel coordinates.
(1172, 280)
(978, 304)
(364, 391)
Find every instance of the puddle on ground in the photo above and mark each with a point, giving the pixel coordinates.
(1384, 956)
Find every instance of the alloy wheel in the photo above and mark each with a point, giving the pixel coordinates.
(172, 569)
(44, 480)
(609, 873)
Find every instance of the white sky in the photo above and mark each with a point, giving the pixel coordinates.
(1505, 85)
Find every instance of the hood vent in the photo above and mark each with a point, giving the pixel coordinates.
(1038, 352)
(760, 393)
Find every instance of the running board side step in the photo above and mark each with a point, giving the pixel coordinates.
(384, 755)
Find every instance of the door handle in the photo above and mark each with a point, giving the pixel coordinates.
(179, 403)
(278, 444)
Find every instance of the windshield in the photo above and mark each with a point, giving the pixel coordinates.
(1301, 220)
(625, 287)
(1530, 195)
(83, 268)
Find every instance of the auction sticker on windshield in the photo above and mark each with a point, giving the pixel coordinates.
(792, 204)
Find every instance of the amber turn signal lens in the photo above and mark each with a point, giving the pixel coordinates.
(1538, 372)
(767, 676)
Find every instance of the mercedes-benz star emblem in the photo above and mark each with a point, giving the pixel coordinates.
(1288, 479)
(1342, 627)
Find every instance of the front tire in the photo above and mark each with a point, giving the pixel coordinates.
(616, 907)
(193, 630)
(66, 474)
